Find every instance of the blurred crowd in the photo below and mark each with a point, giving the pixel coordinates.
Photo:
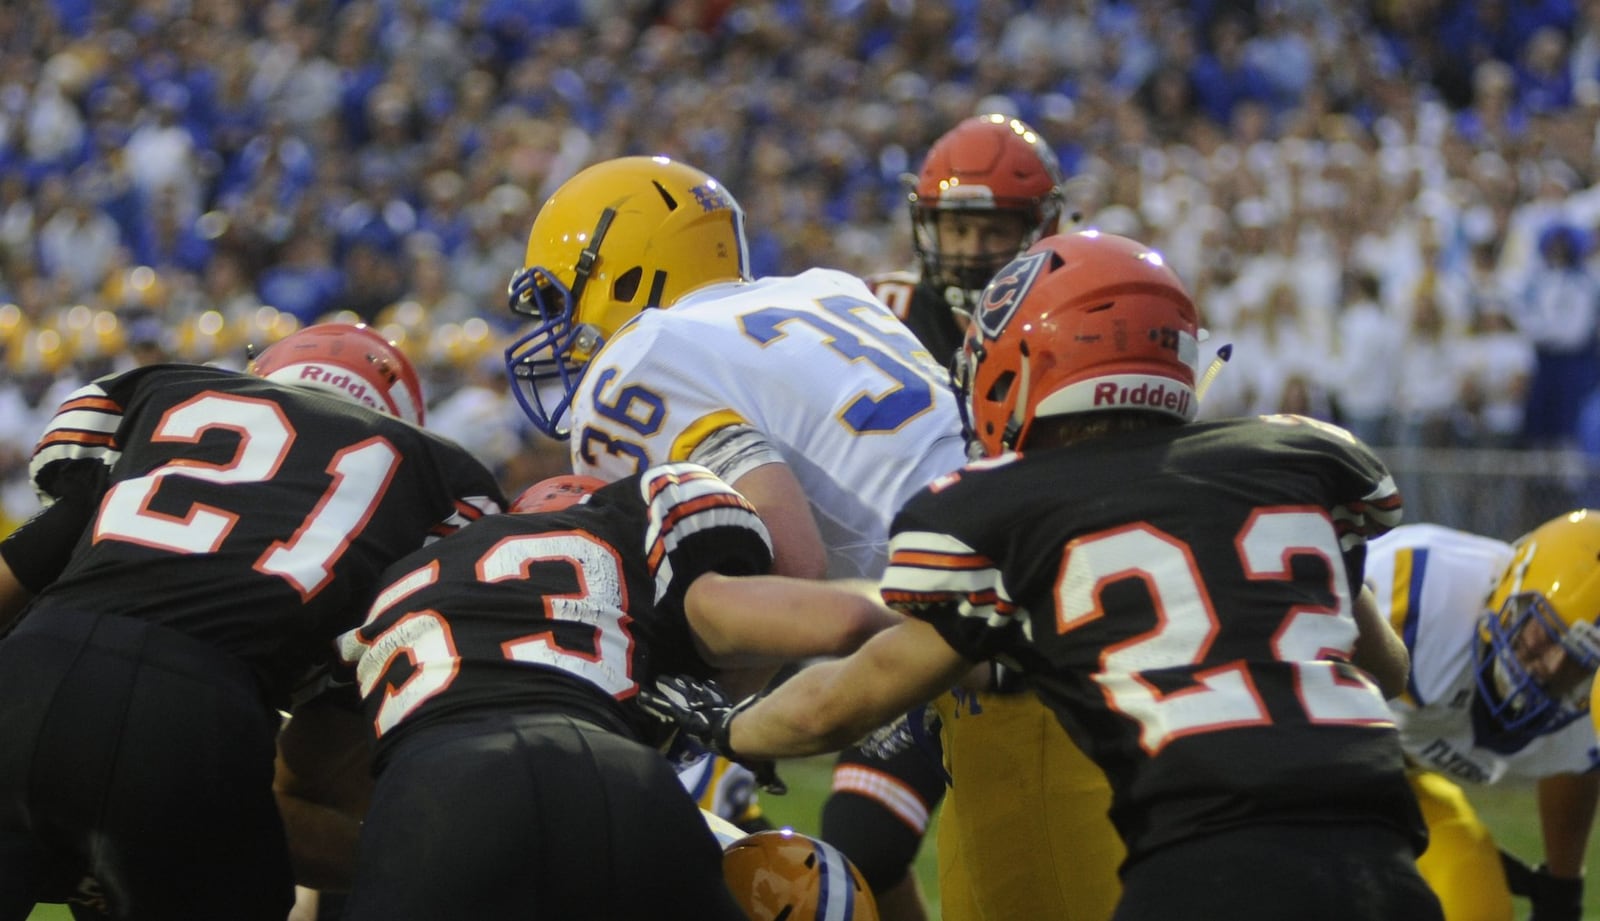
(1389, 209)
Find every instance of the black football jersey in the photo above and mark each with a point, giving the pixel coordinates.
(923, 310)
(567, 611)
(1181, 597)
(251, 515)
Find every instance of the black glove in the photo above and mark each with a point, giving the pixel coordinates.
(1553, 898)
(701, 710)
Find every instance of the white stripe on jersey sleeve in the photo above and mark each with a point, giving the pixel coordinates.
(57, 445)
(929, 568)
(685, 500)
(1375, 514)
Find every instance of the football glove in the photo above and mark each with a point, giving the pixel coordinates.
(1553, 898)
(906, 731)
(702, 710)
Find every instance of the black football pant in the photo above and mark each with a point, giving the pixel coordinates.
(534, 817)
(144, 758)
(1287, 872)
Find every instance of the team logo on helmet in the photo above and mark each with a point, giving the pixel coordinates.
(1006, 291)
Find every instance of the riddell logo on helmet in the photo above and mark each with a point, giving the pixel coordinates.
(1160, 396)
(345, 381)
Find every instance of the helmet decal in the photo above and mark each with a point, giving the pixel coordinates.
(1001, 298)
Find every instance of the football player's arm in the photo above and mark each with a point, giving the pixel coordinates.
(797, 548)
(32, 556)
(322, 782)
(1566, 816)
(1379, 650)
(829, 706)
(755, 621)
(748, 461)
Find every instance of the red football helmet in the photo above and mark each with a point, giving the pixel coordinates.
(783, 874)
(553, 494)
(349, 359)
(989, 164)
(1081, 322)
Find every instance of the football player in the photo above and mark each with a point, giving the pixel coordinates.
(988, 189)
(515, 775)
(650, 343)
(1187, 597)
(207, 534)
(1504, 645)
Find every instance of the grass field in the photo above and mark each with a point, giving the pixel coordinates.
(1508, 810)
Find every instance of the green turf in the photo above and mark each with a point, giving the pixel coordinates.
(1509, 811)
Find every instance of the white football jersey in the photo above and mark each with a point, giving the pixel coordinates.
(1434, 583)
(839, 387)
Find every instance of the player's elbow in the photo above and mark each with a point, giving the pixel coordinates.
(865, 619)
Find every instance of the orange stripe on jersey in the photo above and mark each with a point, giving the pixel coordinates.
(664, 480)
(102, 404)
(985, 598)
(74, 437)
(693, 507)
(927, 559)
(467, 510)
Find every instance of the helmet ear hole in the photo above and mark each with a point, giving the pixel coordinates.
(627, 285)
(1001, 388)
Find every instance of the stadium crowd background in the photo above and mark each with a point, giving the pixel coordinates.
(1389, 208)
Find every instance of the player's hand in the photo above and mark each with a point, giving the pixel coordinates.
(702, 710)
(1553, 898)
(908, 730)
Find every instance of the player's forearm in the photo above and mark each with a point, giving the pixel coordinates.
(322, 843)
(811, 713)
(1567, 805)
(1379, 650)
(742, 622)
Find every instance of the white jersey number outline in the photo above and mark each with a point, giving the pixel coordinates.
(424, 638)
(361, 475)
(1224, 697)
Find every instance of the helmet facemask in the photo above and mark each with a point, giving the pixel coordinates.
(1534, 671)
(960, 277)
(547, 362)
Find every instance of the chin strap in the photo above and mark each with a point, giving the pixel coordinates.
(590, 254)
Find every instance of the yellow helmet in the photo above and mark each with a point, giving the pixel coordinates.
(618, 238)
(783, 874)
(1541, 644)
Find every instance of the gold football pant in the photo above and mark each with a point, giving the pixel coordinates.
(1024, 831)
(1462, 863)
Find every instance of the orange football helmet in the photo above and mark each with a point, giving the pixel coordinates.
(989, 164)
(553, 494)
(348, 359)
(1082, 322)
(782, 875)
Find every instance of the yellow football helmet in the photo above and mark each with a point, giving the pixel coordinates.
(1541, 644)
(618, 238)
(786, 875)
